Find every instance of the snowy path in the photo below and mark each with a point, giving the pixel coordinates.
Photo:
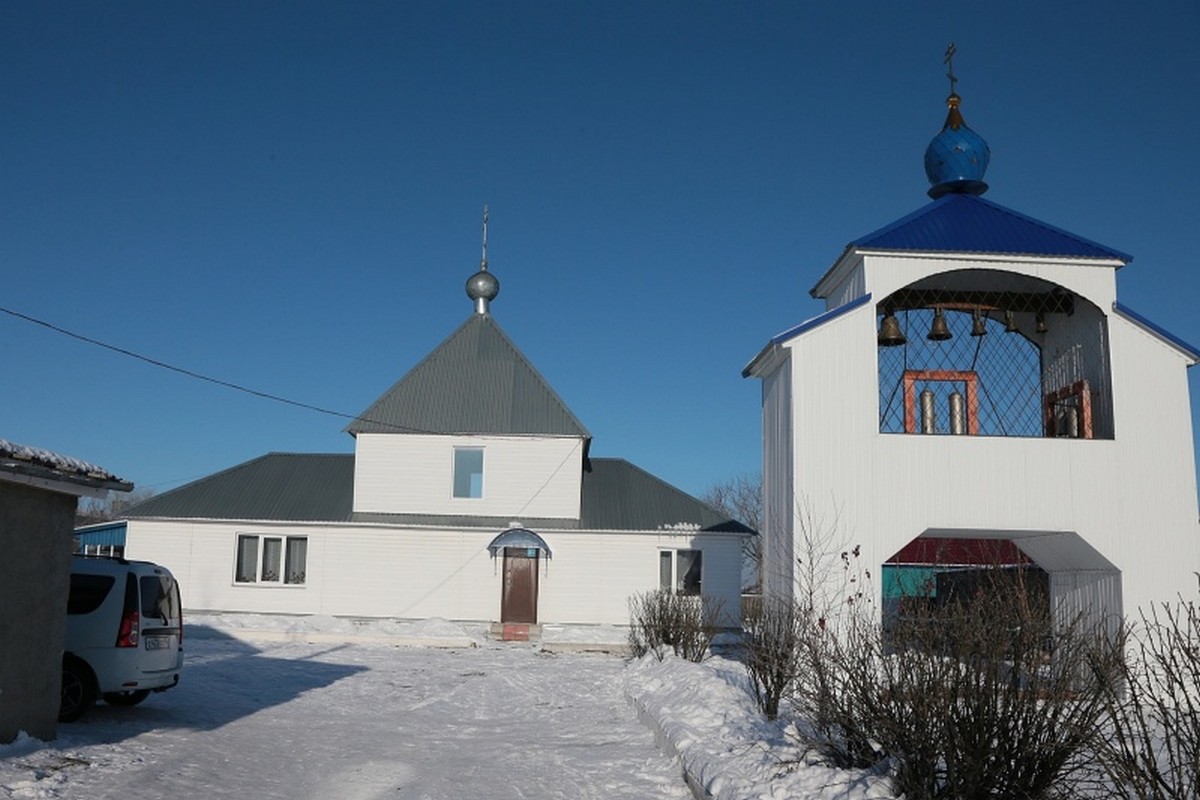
(358, 722)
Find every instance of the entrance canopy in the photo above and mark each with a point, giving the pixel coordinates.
(518, 537)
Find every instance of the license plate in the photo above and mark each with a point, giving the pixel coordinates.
(158, 642)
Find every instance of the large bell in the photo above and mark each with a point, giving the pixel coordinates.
(890, 334)
(939, 331)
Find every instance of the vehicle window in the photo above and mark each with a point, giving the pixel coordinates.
(88, 592)
(159, 599)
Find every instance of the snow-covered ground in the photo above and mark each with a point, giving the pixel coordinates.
(321, 708)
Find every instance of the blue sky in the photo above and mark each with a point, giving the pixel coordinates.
(288, 196)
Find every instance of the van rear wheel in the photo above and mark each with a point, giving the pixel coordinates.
(126, 698)
(78, 690)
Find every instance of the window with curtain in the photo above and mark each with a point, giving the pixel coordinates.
(247, 559)
(296, 560)
(271, 559)
(679, 571)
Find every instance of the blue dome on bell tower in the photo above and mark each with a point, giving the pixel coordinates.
(957, 158)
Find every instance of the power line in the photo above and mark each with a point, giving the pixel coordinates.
(207, 378)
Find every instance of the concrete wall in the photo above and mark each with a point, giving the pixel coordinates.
(35, 574)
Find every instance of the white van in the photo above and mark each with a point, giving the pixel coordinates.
(124, 634)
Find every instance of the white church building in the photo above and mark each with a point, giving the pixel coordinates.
(471, 495)
(975, 391)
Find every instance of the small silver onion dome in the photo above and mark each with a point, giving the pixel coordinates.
(482, 288)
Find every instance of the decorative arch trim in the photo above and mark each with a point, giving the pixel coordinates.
(518, 537)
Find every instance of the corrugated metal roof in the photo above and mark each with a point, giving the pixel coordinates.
(964, 223)
(620, 496)
(476, 381)
(296, 487)
(289, 487)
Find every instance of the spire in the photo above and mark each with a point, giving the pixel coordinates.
(482, 287)
(958, 157)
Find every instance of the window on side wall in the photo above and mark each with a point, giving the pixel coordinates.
(468, 472)
(679, 571)
(283, 560)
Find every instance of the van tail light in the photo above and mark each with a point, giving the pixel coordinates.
(127, 634)
(131, 621)
(180, 627)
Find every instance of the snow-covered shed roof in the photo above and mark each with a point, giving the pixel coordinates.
(34, 463)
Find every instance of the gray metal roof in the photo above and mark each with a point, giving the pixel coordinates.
(278, 486)
(619, 496)
(476, 381)
(295, 487)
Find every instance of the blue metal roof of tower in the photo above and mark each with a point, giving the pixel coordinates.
(966, 223)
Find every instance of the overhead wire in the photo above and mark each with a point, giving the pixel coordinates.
(255, 392)
(207, 378)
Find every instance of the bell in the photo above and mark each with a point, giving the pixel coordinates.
(890, 334)
(1010, 324)
(978, 324)
(939, 331)
(1041, 323)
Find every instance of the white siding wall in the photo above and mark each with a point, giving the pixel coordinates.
(592, 575)
(412, 574)
(523, 476)
(778, 487)
(885, 274)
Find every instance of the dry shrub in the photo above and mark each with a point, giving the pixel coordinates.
(1154, 748)
(771, 630)
(976, 697)
(685, 624)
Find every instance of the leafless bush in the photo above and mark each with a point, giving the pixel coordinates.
(1154, 748)
(770, 649)
(977, 697)
(685, 624)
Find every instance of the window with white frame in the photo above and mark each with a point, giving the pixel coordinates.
(679, 571)
(271, 559)
(468, 472)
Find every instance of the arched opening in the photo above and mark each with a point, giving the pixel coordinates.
(992, 353)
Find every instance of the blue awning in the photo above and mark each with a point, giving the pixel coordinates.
(519, 537)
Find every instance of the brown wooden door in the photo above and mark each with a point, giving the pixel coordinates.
(519, 601)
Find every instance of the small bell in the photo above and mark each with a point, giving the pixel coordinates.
(939, 331)
(1041, 323)
(978, 324)
(1010, 323)
(890, 334)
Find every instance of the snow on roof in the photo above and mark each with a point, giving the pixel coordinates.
(19, 457)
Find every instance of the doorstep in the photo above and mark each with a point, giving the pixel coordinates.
(516, 632)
